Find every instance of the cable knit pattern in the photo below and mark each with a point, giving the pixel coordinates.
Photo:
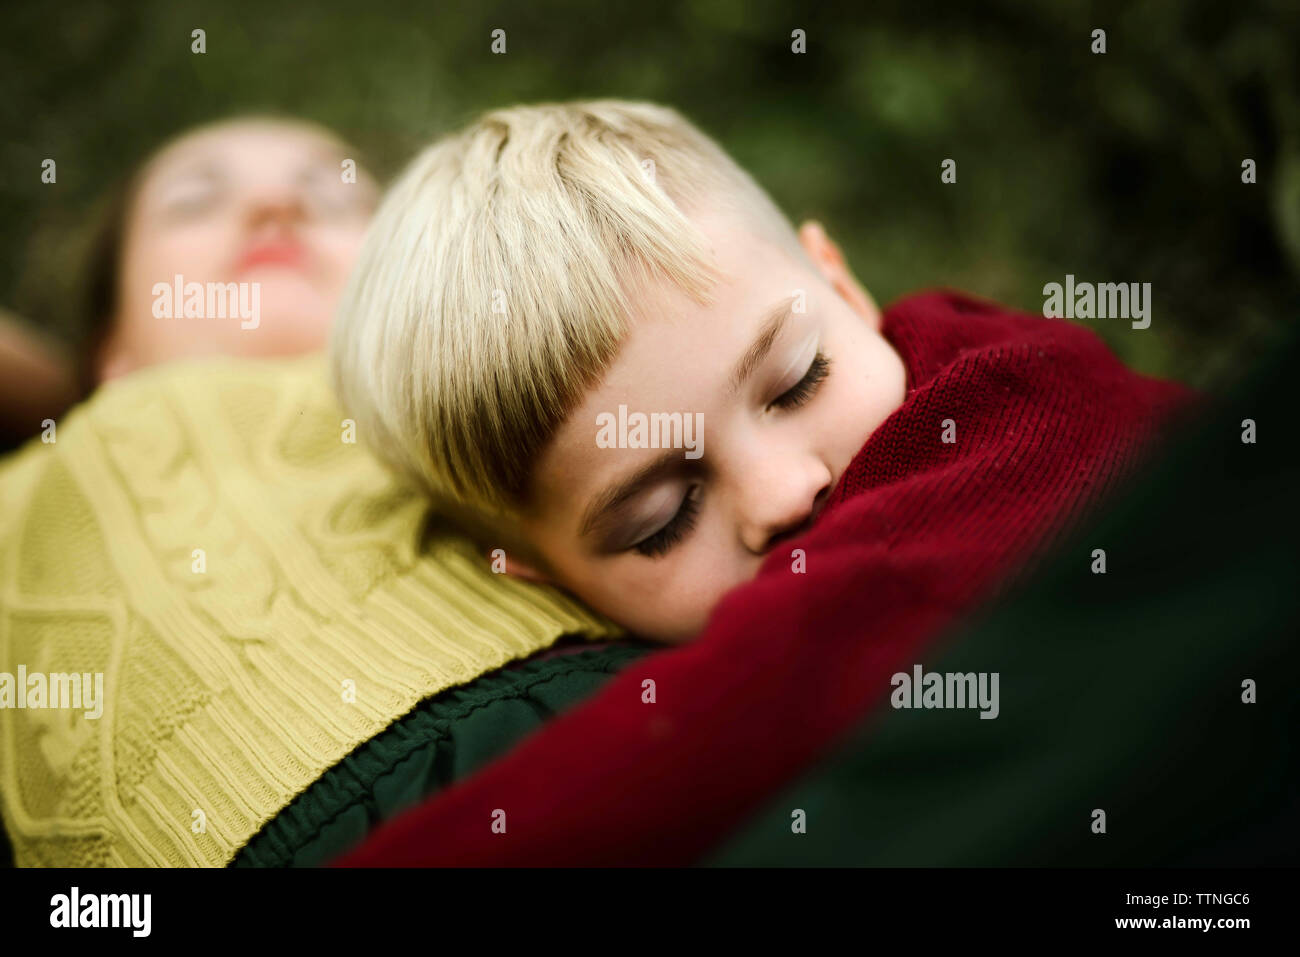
(224, 688)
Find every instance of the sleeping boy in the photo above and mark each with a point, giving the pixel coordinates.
(547, 275)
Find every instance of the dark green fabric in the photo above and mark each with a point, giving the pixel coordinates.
(1120, 691)
(442, 740)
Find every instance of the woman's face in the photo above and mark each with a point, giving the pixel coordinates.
(269, 206)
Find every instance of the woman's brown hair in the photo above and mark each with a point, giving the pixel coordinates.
(101, 269)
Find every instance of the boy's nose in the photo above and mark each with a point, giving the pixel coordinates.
(782, 510)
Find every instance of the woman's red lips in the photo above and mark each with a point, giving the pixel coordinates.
(271, 254)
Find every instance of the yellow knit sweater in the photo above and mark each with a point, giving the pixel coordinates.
(259, 595)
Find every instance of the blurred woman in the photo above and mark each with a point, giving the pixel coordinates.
(281, 203)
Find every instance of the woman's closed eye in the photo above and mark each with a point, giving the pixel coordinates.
(328, 195)
(678, 527)
(190, 196)
(805, 388)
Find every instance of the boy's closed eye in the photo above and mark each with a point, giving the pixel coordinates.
(681, 524)
(805, 388)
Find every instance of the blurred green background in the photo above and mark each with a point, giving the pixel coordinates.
(1117, 167)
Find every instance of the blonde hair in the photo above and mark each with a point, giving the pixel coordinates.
(491, 289)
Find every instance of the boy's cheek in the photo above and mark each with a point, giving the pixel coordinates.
(875, 390)
(659, 615)
(670, 608)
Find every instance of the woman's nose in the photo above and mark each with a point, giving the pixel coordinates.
(782, 502)
(274, 204)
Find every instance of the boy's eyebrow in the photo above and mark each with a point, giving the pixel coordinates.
(616, 495)
(768, 332)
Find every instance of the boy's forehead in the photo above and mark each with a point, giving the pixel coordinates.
(754, 274)
(672, 336)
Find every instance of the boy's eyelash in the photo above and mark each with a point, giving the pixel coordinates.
(803, 390)
(678, 527)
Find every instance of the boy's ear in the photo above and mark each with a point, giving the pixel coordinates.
(826, 256)
(518, 568)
